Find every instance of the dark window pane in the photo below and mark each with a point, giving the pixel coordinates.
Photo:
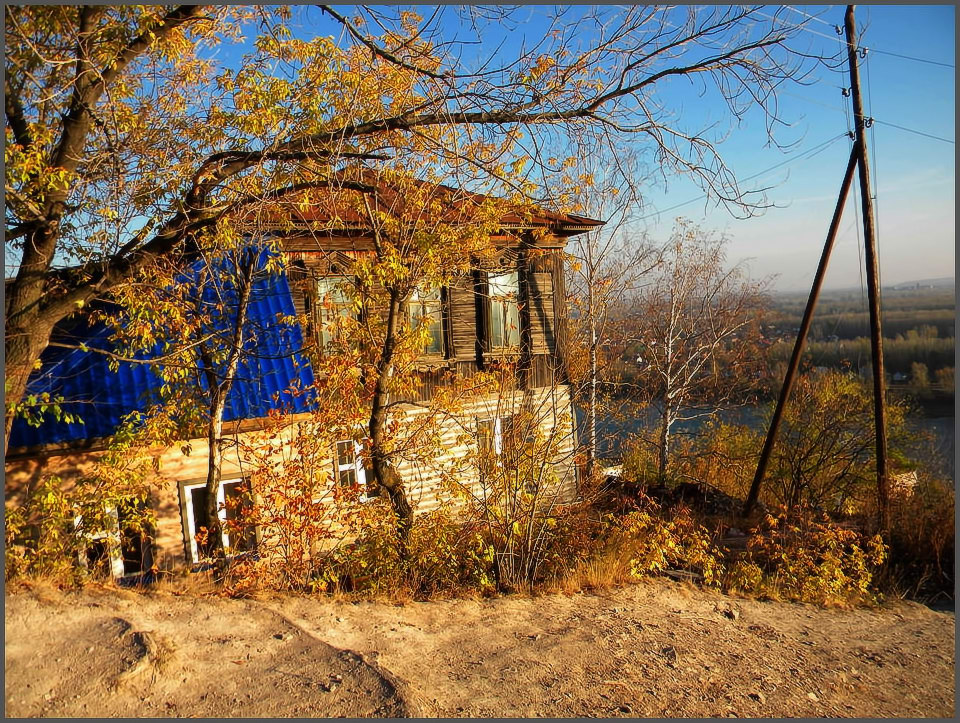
(485, 431)
(348, 477)
(98, 558)
(134, 540)
(198, 501)
(236, 503)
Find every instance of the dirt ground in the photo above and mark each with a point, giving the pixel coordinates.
(658, 649)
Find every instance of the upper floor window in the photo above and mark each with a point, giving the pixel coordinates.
(504, 293)
(334, 303)
(426, 307)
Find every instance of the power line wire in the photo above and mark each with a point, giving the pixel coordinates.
(870, 49)
(911, 130)
(795, 26)
(908, 57)
(802, 157)
(845, 110)
(811, 17)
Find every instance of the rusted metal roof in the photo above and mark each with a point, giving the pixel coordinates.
(340, 207)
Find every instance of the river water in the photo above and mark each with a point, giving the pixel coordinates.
(613, 432)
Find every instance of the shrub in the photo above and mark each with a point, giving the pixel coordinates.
(57, 522)
(803, 556)
(648, 541)
(922, 538)
(444, 555)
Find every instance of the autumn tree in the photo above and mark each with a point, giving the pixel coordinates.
(605, 266)
(694, 327)
(193, 327)
(129, 129)
(424, 236)
(825, 454)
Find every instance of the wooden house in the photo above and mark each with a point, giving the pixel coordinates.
(510, 305)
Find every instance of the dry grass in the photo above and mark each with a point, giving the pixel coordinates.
(608, 569)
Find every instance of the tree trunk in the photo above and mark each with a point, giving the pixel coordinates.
(592, 396)
(664, 447)
(220, 385)
(214, 474)
(22, 348)
(592, 414)
(27, 331)
(384, 473)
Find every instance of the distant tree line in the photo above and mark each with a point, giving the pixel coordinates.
(925, 322)
(899, 354)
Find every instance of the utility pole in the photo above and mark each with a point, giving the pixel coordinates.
(858, 158)
(873, 276)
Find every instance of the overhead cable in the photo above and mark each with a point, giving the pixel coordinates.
(803, 156)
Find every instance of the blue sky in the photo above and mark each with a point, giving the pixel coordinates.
(914, 175)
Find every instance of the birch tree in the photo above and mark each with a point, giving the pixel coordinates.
(695, 321)
(194, 329)
(606, 267)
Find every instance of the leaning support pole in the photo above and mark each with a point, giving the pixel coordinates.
(873, 278)
(801, 337)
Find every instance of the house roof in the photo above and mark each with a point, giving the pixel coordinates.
(102, 397)
(339, 208)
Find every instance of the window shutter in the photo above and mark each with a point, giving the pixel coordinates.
(542, 322)
(463, 322)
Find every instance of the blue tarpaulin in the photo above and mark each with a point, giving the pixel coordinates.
(269, 368)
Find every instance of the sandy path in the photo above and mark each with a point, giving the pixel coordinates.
(87, 655)
(657, 649)
(654, 650)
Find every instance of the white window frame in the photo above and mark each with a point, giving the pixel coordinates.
(111, 538)
(221, 513)
(360, 472)
(497, 431)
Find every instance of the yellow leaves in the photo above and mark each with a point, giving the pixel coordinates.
(517, 166)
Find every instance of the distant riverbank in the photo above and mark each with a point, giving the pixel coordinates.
(613, 432)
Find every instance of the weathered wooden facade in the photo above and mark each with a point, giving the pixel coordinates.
(511, 306)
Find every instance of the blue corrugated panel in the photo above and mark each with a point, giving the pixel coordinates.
(269, 368)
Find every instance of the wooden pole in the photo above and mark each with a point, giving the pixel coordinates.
(873, 277)
(801, 336)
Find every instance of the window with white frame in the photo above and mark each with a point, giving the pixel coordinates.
(232, 497)
(426, 308)
(504, 291)
(118, 543)
(491, 434)
(350, 469)
(100, 552)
